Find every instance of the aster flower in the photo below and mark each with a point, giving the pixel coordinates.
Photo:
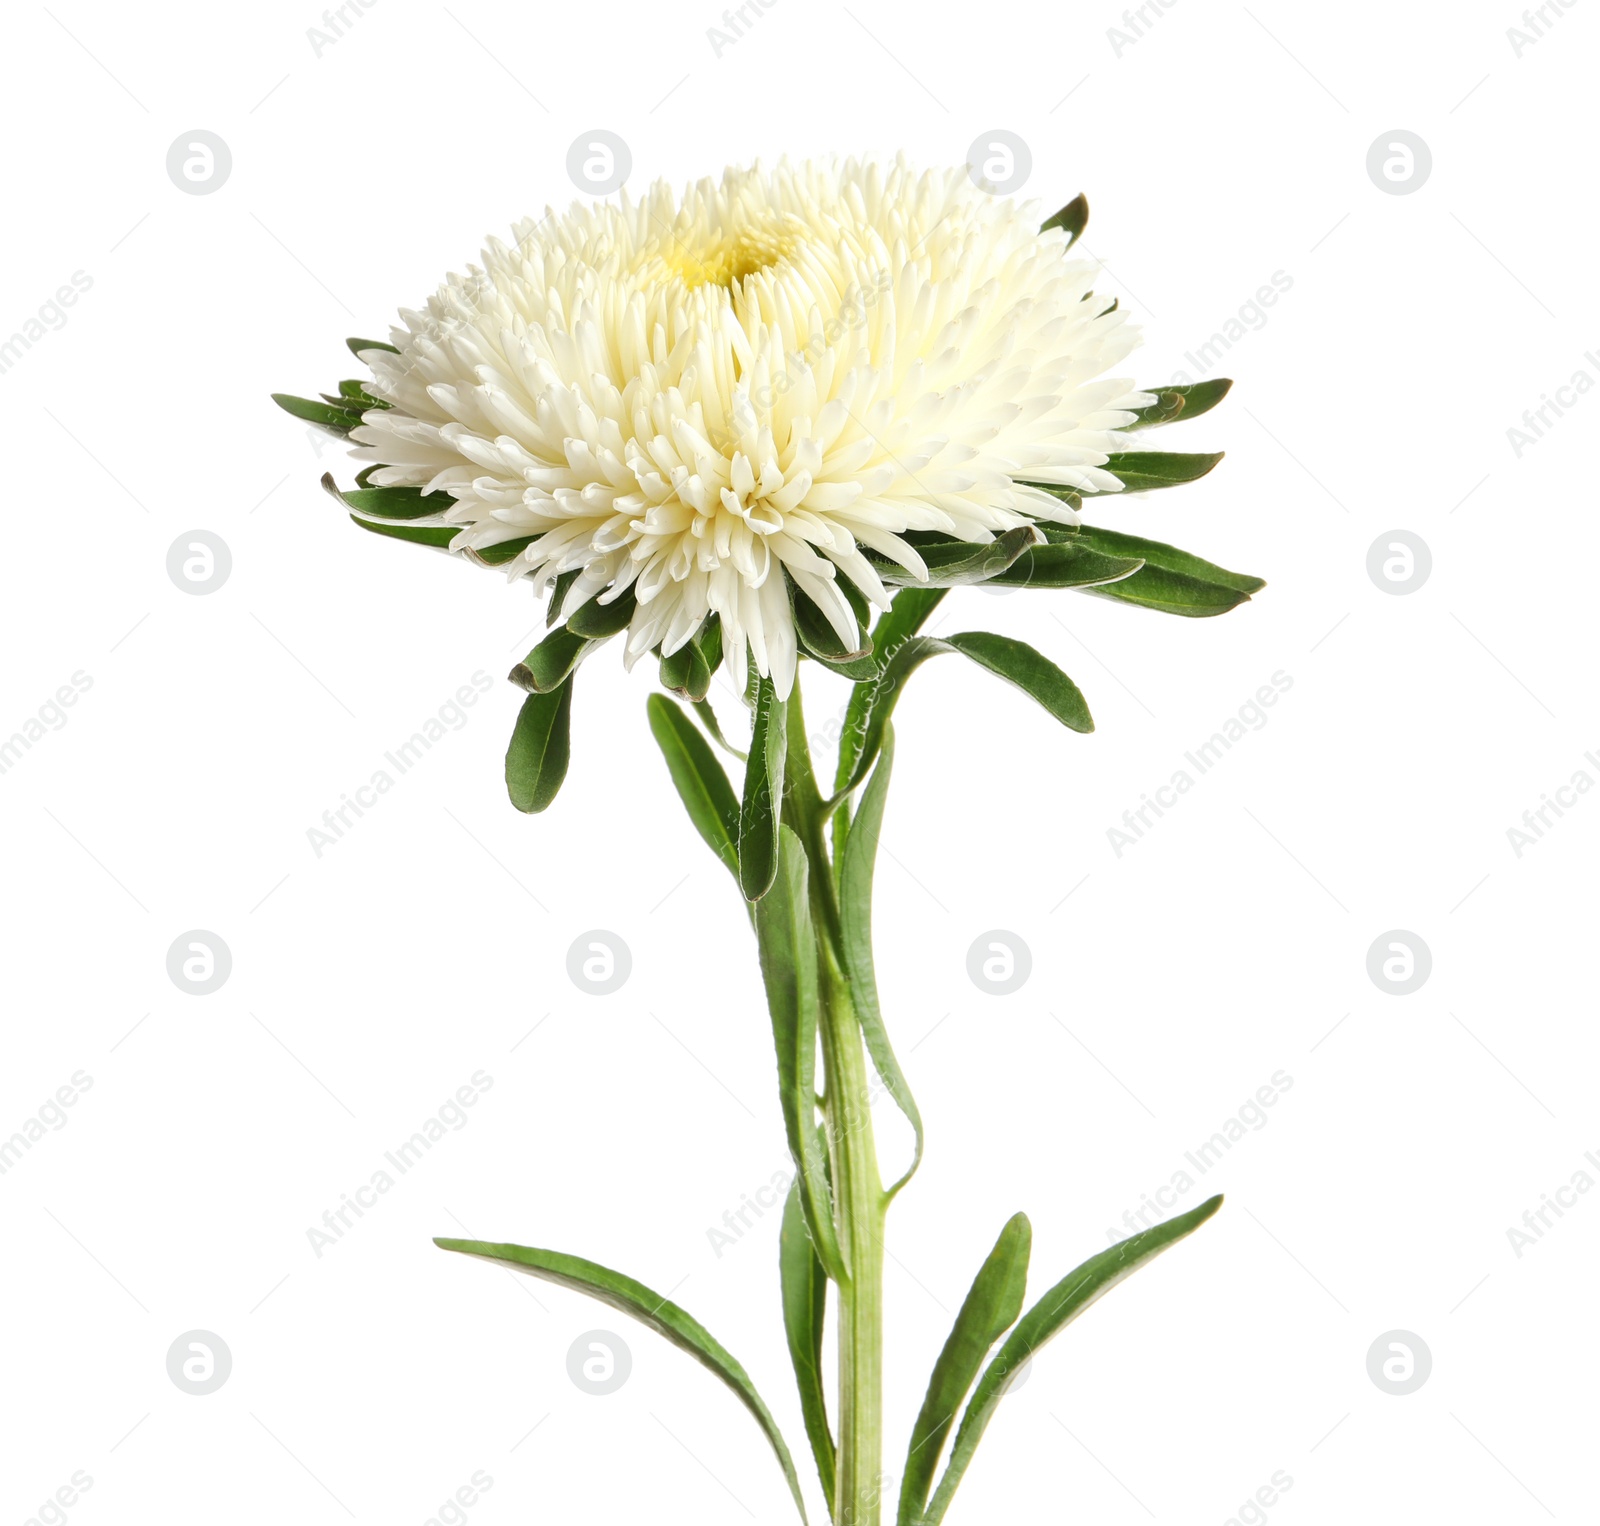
(772, 386)
(778, 417)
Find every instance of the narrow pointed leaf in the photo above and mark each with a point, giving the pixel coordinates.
(857, 860)
(1047, 1318)
(1014, 661)
(821, 642)
(1031, 671)
(989, 1310)
(354, 392)
(1143, 471)
(597, 620)
(707, 795)
(356, 346)
(805, 1300)
(649, 1308)
(1065, 564)
(335, 420)
(788, 946)
(1162, 557)
(421, 535)
(956, 564)
(709, 641)
(550, 664)
(708, 718)
(762, 802)
(390, 502)
(541, 746)
(1074, 217)
(559, 586)
(502, 551)
(1181, 402)
(903, 619)
(686, 672)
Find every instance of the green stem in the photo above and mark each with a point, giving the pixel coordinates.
(859, 1201)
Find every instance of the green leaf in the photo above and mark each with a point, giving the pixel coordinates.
(856, 865)
(709, 641)
(707, 796)
(502, 551)
(422, 535)
(558, 595)
(788, 947)
(686, 672)
(1014, 661)
(805, 1300)
(957, 563)
(708, 718)
(819, 640)
(339, 421)
(902, 619)
(597, 620)
(1172, 581)
(649, 1308)
(1143, 471)
(1058, 1308)
(390, 502)
(356, 346)
(552, 662)
(989, 1310)
(1065, 564)
(355, 393)
(541, 746)
(1031, 671)
(1187, 402)
(1074, 217)
(762, 802)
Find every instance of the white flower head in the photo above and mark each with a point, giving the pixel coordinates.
(758, 386)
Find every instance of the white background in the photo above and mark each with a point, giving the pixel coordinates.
(1168, 984)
